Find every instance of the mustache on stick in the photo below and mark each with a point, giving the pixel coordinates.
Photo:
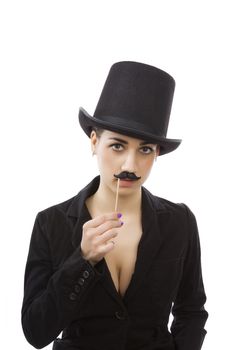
(127, 175)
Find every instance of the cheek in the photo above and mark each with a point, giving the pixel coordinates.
(106, 160)
(147, 165)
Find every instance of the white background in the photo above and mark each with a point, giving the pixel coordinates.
(55, 56)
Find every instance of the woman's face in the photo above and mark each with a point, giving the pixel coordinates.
(117, 153)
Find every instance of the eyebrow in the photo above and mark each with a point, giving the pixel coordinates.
(126, 143)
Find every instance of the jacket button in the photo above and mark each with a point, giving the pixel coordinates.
(86, 274)
(81, 281)
(73, 296)
(120, 315)
(77, 288)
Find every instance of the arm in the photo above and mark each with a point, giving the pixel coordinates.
(188, 310)
(52, 299)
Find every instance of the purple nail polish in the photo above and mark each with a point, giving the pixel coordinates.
(122, 223)
(119, 215)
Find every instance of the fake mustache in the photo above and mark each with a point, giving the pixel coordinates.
(125, 175)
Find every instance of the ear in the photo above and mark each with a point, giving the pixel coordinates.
(94, 139)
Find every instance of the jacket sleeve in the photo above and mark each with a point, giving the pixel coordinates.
(188, 309)
(52, 299)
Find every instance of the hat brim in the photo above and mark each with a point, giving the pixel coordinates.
(87, 123)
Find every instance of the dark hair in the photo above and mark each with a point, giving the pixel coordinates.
(98, 130)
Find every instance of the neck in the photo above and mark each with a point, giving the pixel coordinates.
(104, 199)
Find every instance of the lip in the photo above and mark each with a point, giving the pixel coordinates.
(127, 183)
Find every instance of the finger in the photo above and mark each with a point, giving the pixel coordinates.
(105, 248)
(92, 233)
(105, 237)
(108, 226)
(101, 219)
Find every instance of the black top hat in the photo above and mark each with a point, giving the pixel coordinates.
(136, 101)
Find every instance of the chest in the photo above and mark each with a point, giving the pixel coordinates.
(121, 260)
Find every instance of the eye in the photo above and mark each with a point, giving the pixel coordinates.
(117, 147)
(146, 150)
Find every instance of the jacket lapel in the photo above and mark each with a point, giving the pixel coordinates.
(149, 244)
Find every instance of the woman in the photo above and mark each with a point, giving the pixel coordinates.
(108, 278)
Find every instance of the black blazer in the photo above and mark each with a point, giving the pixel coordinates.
(63, 292)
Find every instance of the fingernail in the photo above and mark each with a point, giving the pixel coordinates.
(119, 215)
(122, 223)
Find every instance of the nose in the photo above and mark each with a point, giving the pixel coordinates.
(129, 163)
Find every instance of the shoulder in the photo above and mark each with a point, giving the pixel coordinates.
(175, 219)
(54, 227)
(72, 207)
(163, 206)
(56, 211)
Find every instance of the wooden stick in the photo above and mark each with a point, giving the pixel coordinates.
(117, 192)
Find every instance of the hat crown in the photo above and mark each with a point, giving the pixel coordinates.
(137, 95)
(136, 100)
